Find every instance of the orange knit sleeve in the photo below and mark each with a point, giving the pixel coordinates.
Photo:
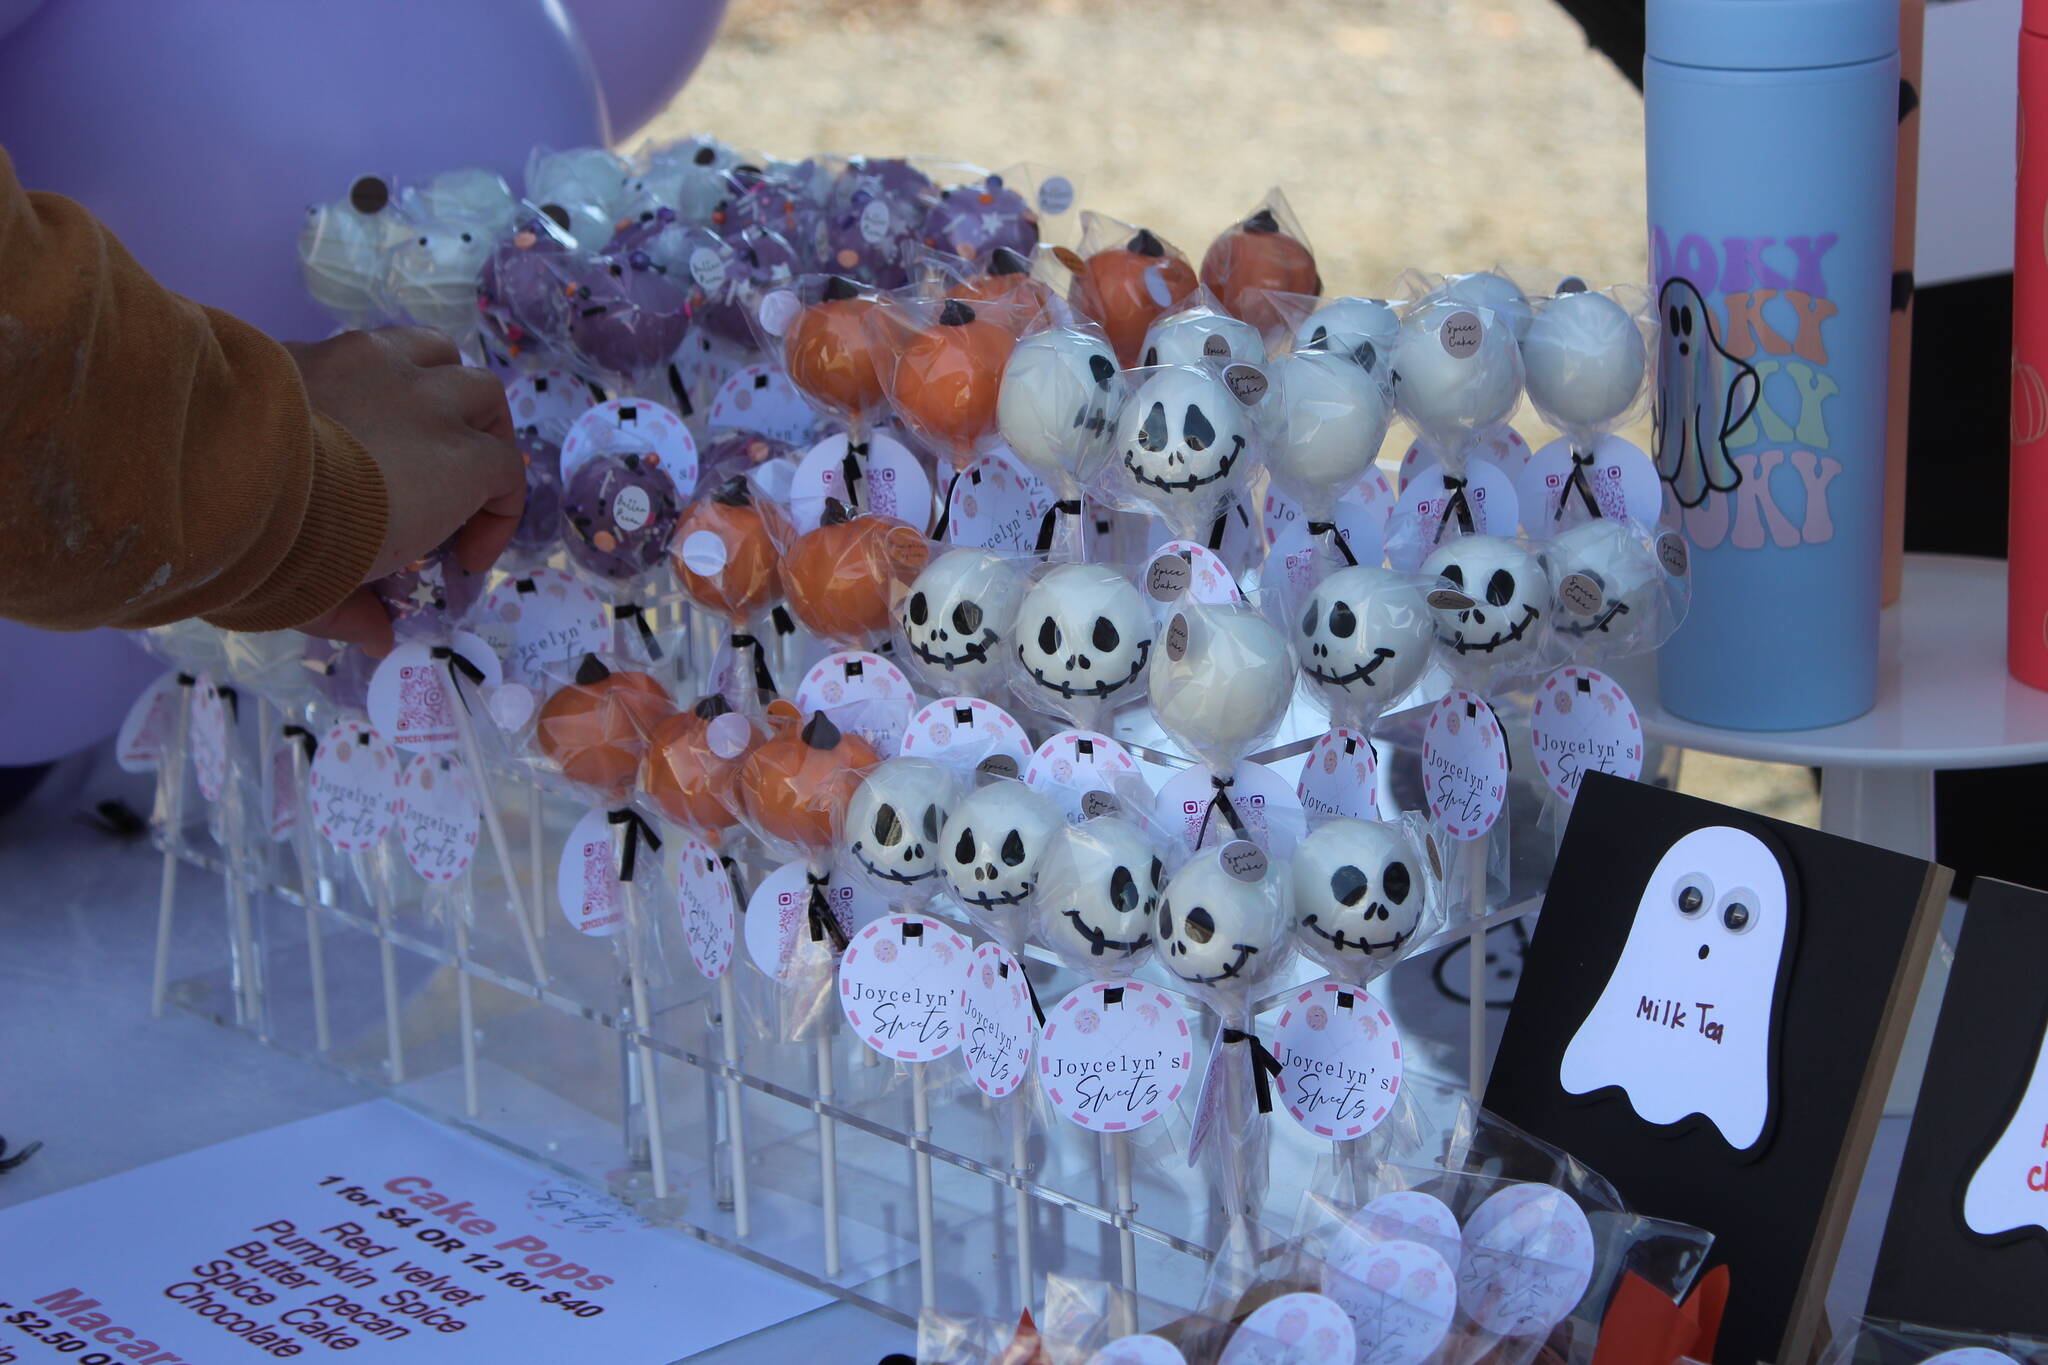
(158, 460)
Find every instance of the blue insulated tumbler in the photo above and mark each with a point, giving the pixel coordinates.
(1772, 132)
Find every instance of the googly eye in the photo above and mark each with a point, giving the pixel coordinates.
(1692, 895)
(1738, 911)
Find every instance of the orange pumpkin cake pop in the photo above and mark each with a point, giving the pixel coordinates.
(830, 354)
(724, 551)
(1005, 294)
(1125, 287)
(597, 726)
(948, 376)
(1258, 254)
(690, 768)
(795, 785)
(842, 578)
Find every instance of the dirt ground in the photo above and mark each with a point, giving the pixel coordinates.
(1439, 134)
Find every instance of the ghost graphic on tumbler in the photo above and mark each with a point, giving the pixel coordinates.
(2005, 1190)
(1684, 1023)
(1703, 395)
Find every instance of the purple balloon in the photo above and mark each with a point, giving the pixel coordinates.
(14, 13)
(644, 51)
(60, 693)
(277, 106)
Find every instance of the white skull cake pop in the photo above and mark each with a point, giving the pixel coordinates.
(1584, 359)
(1097, 890)
(1223, 679)
(1364, 639)
(470, 195)
(1357, 894)
(1611, 589)
(1494, 292)
(989, 848)
(1182, 444)
(1060, 392)
(1334, 415)
(1084, 637)
(1511, 597)
(1219, 930)
(1195, 335)
(958, 620)
(1360, 330)
(1455, 371)
(579, 175)
(894, 821)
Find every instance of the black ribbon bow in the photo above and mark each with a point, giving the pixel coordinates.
(637, 829)
(1049, 523)
(446, 654)
(1457, 504)
(1329, 528)
(1220, 801)
(1582, 460)
(946, 507)
(764, 681)
(824, 924)
(1264, 1065)
(306, 738)
(632, 611)
(852, 473)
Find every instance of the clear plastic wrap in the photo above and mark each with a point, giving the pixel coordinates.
(430, 598)
(1084, 638)
(1361, 896)
(628, 313)
(1187, 445)
(595, 726)
(1222, 926)
(1222, 681)
(989, 852)
(873, 218)
(689, 177)
(975, 220)
(958, 621)
(833, 357)
(1879, 1341)
(1616, 594)
(843, 578)
(1059, 401)
(1097, 892)
(1333, 418)
(524, 294)
(1585, 360)
(1456, 375)
(891, 840)
(1494, 290)
(1201, 333)
(726, 550)
(1360, 328)
(692, 763)
(627, 465)
(342, 247)
(1266, 251)
(1008, 283)
(1124, 279)
(793, 787)
(584, 182)
(1365, 636)
(468, 194)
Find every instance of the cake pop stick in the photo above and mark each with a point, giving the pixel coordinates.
(472, 754)
(171, 782)
(312, 887)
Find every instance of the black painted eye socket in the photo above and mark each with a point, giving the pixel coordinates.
(1048, 636)
(1102, 368)
(1123, 890)
(967, 617)
(1200, 925)
(1396, 882)
(933, 822)
(1013, 849)
(1343, 621)
(963, 851)
(1158, 873)
(1500, 589)
(1453, 573)
(1152, 435)
(919, 611)
(1348, 885)
(1166, 919)
(1106, 637)
(1308, 620)
(888, 827)
(1197, 431)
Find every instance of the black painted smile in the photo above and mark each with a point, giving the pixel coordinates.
(1100, 943)
(1599, 623)
(1344, 943)
(1499, 640)
(1244, 955)
(900, 878)
(981, 900)
(1190, 483)
(1363, 673)
(975, 652)
(1101, 689)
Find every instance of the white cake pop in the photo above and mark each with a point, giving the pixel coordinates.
(1096, 893)
(1060, 392)
(1456, 372)
(471, 195)
(1512, 599)
(893, 825)
(958, 618)
(1357, 891)
(1485, 289)
(1358, 329)
(1084, 637)
(1364, 639)
(1334, 415)
(1219, 930)
(1613, 596)
(579, 175)
(990, 847)
(1183, 445)
(430, 276)
(1223, 679)
(1199, 334)
(1583, 358)
(342, 246)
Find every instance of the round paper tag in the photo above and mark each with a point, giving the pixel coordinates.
(762, 400)
(1361, 508)
(970, 734)
(998, 504)
(409, 702)
(1177, 637)
(1504, 448)
(1406, 1216)
(995, 1022)
(634, 426)
(587, 884)
(1400, 1297)
(438, 817)
(889, 482)
(1465, 764)
(354, 787)
(547, 618)
(1305, 560)
(1674, 554)
(631, 508)
(1086, 774)
(779, 910)
(874, 220)
(1582, 721)
(1459, 335)
(1340, 777)
(704, 895)
(898, 983)
(1340, 1059)
(1139, 1350)
(1294, 1329)
(147, 727)
(1419, 522)
(1264, 801)
(1245, 861)
(1621, 479)
(548, 402)
(1055, 195)
(707, 269)
(1528, 1261)
(209, 738)
(861, 692)
(1114, 1055)
(1182, 570)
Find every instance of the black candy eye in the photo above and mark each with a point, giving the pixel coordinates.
(1158, 872)
(1199, 434)
(967, 618)
(963, 852)
(1013, 849)
(1395, 882)
(1166, 919)
(1343, 621)
(1123, 890)
(1152, 435)
(1048, 636)
(1500, 589)
(919, 610)
(1106, 637)
(1348, 885)
(888, 827)
(1201, 926)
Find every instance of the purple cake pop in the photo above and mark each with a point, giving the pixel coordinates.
(972, 221)
(877, 208)
(520, 290)
(430, 596)
(628, 316)
(618, 512)
(341, 673)
(540, 522)
(757, 260)
(731, 451)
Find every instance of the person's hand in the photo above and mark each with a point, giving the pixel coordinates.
(442, 435)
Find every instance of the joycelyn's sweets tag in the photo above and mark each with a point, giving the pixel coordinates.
(1294, 1329)
(438, 817)
(1341, 777)
(861, 692)
(997, 504)
(1340, 1060)
(1582, 721)
(1464, 764)
(209, 730)
(759, 399)
(969, 734)
(1114, 1056)
(587, 881)
(148, 726)
(995, 1021)
(1083, 772)
(898, 983)
(710, 911)
(354, 786)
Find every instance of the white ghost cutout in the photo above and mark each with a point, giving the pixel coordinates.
(1684, 1023)
(2005, 1191)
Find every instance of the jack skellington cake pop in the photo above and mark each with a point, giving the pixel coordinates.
(1083, 638)
(894, 824)
(1060, 394)
(1358, 894)
(989, 851)
(1496, 623)
(1183, 448)
(1096, 894)
(1223, 929)
(1363, 637)
(958, 619)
